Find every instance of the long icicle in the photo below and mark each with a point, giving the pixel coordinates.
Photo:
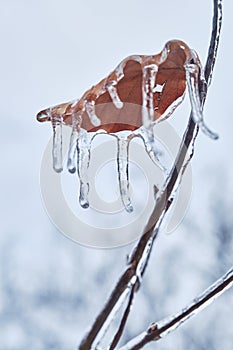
(148, 84)
(71, 162)
(83, 152)
(123, 171)
(57, 143)
(192, 76)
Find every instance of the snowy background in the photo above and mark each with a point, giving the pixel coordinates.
(50, 287)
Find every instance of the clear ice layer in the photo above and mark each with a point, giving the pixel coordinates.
(114, 95)
(90, 109)
(192, 73)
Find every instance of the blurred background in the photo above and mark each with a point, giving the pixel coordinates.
(50, 287)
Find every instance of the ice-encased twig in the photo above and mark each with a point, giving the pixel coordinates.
(214, 43)
(123, 320)
(111, 318)
(164, 327)
(57, 143)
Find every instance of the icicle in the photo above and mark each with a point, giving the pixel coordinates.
(150, 149)
(114, 95)
(83, 150)
(57, 142)
(192, 72)
(123, 174)
(71, 162)
(90, 109)
(149, 77)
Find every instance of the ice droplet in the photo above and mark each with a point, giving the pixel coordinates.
(192, 72)
(83, 152)
(90, 109)
(123, 171)
(57, 143)
(114, 95)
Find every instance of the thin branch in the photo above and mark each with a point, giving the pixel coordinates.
(214, 42)
(123, 321)
(140, 255)
(158, 330)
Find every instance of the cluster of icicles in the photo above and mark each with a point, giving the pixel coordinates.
(159, 83)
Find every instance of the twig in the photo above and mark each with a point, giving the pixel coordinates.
(158, 330)
(123, 321)
(214, 41)
(140, 255)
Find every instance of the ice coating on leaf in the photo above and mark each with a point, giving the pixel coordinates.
(114, 95)
(83, 155)
(57, 143)
(123, 171)
(154, 85)
(90, 109)
(120, 68)
(192, 73)
(171, 109)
